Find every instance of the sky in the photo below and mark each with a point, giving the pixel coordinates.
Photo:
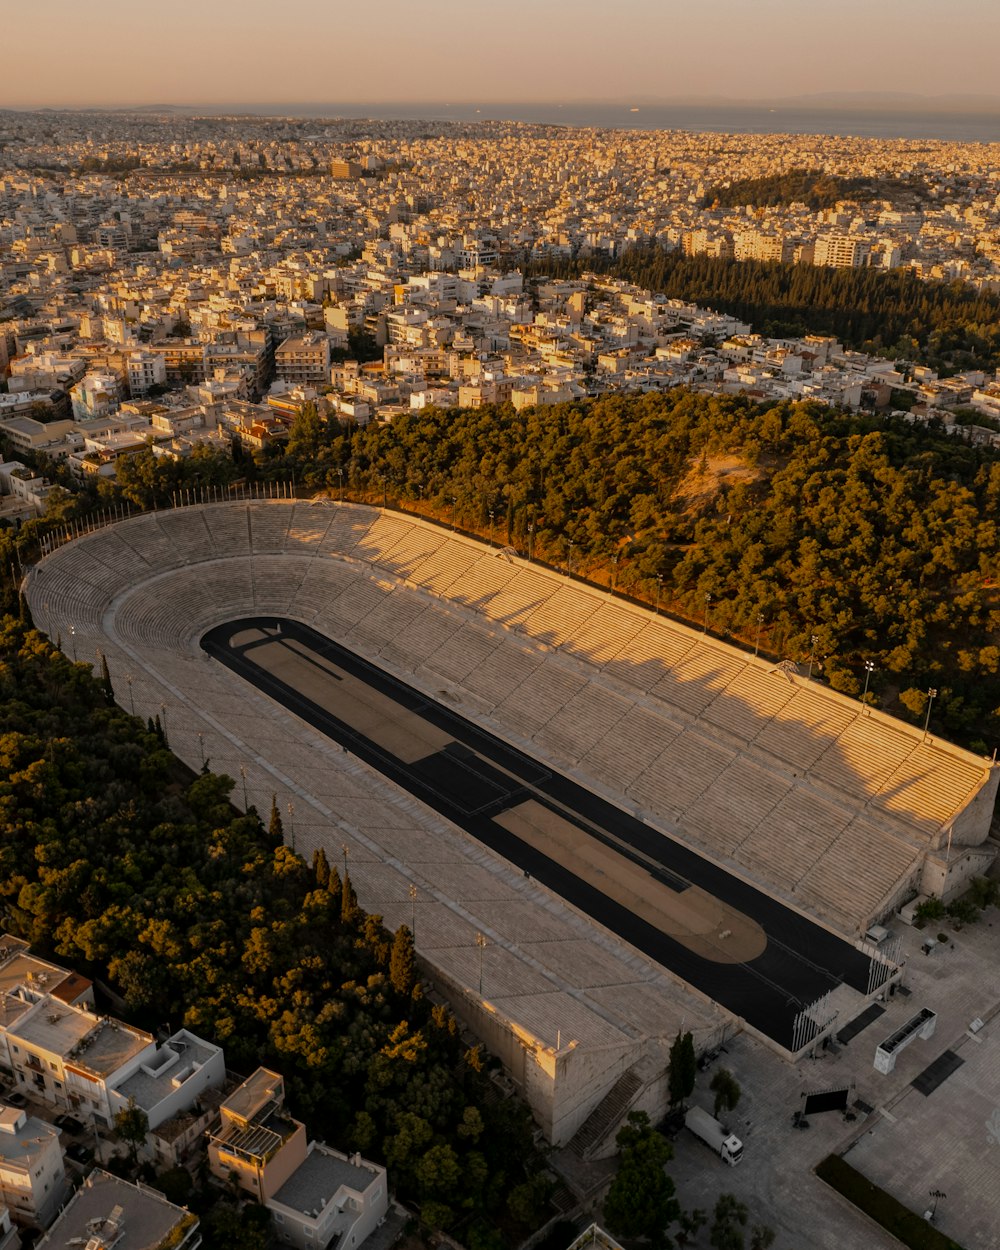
(64, 53)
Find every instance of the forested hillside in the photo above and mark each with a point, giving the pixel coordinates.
(812, 187)
(949, 325)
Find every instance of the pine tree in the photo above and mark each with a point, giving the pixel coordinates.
(402, 962)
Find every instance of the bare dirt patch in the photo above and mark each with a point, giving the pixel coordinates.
(707, 476)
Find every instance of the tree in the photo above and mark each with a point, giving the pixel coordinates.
(761, 1237)
(682, 1068)
(275, 829)
(730, 1217)
(641, 1201)
(726, 1090)
(321, 868)
(402, 963)
(131, 1126)
(348, 901)
(109, 690)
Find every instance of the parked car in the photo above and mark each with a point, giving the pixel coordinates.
(79, 1153)
(15, 1099)
(70, 1124)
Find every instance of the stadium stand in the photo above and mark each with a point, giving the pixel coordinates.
(837, 809)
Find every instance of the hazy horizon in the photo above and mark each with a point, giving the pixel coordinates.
(535, 53)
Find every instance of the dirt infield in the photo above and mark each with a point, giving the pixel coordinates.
(702, 923)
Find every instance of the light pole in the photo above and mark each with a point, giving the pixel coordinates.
(344, 849)
(481, 943)
(614, 571)
(659, 588)
(385, 491)
(760, 622)
(931, 696)
(812, 650)
(243, 774)
(569, 558)
(491, 526)
(413, 912)
(531, 538)
(869, 669)
(937, 1195)
(131, 696)
(291, 822)
(708, 609)
(72, 640)
(340, 474)
(163, 719)
(201, 743)
(451, 504)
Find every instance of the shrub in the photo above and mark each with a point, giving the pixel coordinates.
(929, 909)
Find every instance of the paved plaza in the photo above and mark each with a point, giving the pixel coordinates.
(948, 1140)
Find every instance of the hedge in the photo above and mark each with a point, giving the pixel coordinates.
(900, 1221)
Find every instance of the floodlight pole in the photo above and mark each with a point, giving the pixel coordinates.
(931, 696)
(481, 943)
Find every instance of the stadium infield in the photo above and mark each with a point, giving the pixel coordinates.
(757, 958)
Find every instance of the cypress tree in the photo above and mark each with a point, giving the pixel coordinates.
(321, 868)
(402, 962)
(348, 901)
(275, 829)
(681, 1069)
(109, 690)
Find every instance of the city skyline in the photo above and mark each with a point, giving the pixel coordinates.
(552, 53)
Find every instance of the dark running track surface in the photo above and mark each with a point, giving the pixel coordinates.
(802, 960)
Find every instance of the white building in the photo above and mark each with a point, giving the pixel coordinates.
(145, 370)
(330, 1199)
(32, 1173)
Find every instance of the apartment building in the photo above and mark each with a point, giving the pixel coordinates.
(331, 1199)
(20, 482)
(170, 1080)
(145, 370)
(55, 1048)
(256, 1141)
(317, 1197)
(107, 1213)
(840, 251)
(304, 360)
(95, 395)
(32, 1173)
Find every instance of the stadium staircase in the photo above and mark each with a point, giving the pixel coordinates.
(607, 1115)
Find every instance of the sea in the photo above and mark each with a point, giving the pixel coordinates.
(951, 126)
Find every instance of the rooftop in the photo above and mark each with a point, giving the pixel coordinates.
(108, 1212)
(21, 1143)
(255, 1093)
(170, 1066)
(320, 1177)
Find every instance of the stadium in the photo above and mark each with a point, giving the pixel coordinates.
(602, 825)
